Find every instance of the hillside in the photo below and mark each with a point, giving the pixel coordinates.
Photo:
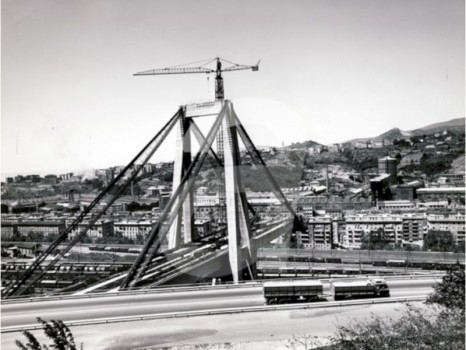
(303, 145)
(394, 134)
(458, 165)
(454, 125)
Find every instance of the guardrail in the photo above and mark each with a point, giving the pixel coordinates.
(132, 292)
(191, 288)
(211, 312)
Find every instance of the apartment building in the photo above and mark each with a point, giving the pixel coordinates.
(360, 224)
(414, 227)
(451, 194)
(319, 235)
(48, 228)
(132, 228)
(453, 223)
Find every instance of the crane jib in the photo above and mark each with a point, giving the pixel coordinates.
(219, 90)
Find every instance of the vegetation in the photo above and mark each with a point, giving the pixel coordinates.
(58, 333)
(376, 240)
(416, 329)
(451, 292)
(256, 180)
(441, 326)
(434, 164)
(303, 341)
(439, 241)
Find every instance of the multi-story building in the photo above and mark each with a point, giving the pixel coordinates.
(396, 205)
(405, 192)
(333, 203)
(50, 179)
(388, 165)
(433, 205)
(451, 194)
(101, 229)
(377, 143)
(453, 223)
(67, 176)
(131, 229)
(319, 235)
(362, 224)
(450, 180)
(339, 231)
(19, 178)
(207, 212)
(48, 228)
(361, 144)
(414, 227)
(8, 229)
(203, 200)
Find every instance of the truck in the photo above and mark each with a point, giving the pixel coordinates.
(369, 288)
(283, 292)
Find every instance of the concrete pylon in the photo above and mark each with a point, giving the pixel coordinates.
(185, 216)
(178, 211)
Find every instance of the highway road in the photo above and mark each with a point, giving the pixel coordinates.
(244, 327)
(20, 314)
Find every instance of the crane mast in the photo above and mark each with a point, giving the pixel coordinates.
(219, 92)
(219, 88)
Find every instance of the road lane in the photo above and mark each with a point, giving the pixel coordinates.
(18, 314)
(245, 327)
(145, 304)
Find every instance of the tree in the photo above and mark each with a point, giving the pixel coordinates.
(450, 292)
(441, 241)
(294, 157)
(56, 331)
(375, 240)
(33, 236)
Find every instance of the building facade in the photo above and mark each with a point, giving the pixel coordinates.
(451, 194)
(362, 224)
(453, 223)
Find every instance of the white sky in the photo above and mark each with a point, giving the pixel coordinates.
(331, 70)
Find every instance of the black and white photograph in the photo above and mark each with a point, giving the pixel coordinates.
(213, 175)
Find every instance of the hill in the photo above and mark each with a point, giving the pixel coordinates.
(303, 145)
(394, 134)
(455, 125)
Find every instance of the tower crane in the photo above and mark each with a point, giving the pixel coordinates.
(219, 90)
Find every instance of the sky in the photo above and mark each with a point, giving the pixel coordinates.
(330, 71)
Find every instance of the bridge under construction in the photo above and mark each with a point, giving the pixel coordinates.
(233, 252)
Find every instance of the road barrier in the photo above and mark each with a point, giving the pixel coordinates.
(212, 312)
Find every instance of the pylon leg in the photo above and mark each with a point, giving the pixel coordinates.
(231, 201)
(188, 205)
(185, 216)
(237, 215)
(174, 238)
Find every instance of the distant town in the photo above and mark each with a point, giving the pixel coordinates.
(399, 191)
